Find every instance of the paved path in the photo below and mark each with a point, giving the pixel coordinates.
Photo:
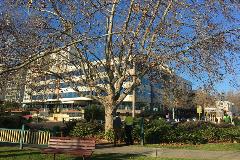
(169, 153)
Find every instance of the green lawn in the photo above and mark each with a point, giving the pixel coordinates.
(13, 153)
(207, 147)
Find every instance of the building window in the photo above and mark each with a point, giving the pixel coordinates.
(69, 95)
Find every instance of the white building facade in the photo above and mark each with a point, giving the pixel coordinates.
(50, 91)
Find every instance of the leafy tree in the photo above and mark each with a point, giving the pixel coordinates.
(127, 39)
(94, 112)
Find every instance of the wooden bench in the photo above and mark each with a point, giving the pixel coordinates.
(69, 145)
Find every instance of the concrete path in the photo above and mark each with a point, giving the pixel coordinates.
(169, 153)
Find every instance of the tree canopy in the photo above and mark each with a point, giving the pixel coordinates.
(105, 39)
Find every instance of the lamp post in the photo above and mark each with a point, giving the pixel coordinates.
(134, 91)
(142, 130)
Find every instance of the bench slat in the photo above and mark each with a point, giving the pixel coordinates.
(82, 143)
(68, 151)
(69, 141)
(69, 145)
(73, 147)
(72, 138)
(72, 143)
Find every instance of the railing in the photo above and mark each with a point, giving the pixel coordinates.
(24, 136)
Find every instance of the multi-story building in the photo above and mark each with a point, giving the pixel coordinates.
(2, 86)
(49, 91)
(12, 87)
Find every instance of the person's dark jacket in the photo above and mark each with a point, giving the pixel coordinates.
(117, 123)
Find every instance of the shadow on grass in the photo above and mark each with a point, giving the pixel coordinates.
(108, 145)
(7, 144)
(113, 156)
(18, 154)
(13, 150)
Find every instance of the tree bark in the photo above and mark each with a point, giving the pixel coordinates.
(108, 116)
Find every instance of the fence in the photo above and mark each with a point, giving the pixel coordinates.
(24, 136)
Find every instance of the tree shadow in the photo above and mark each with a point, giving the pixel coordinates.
(109, 145)
(18, 154)
(13, 150)
(110, 156)
(7, 144)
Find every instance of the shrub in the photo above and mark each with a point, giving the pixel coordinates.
(229, 134)
(69, 127)
(56, 131)
(94, 112)
(210, 134)
(236, 121)
(11, 122)
(136, 134)
(109, 135)
(86, 129)
(38, 119)
(158, 131)
(203, 132)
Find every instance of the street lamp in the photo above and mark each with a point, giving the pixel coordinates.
(134, 91)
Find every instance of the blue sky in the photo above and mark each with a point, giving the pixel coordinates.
(227, 84)
(222, 86)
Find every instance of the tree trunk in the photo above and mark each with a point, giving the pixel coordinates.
(108, 117)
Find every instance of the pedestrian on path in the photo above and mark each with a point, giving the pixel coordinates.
(117, 127)
(128, 128)
(226, 118)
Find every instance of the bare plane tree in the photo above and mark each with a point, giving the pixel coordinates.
(204, 98)
(108, 38)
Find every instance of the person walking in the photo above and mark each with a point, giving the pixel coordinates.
(128, 128)
(117, 127)
(226, 118)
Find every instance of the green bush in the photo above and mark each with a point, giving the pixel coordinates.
(210, 134)
(229, 134)
(38, 119)
(158, 131)
(236, 121)
(56, 131)
(94, 112)
(11, 122)
(69, 127)
(136, 134)
(109, 135)
(86, 129)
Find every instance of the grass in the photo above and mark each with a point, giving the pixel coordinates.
(13, 153)
(206, 147)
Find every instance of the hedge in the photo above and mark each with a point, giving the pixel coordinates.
(11, 122)
(159, 131)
